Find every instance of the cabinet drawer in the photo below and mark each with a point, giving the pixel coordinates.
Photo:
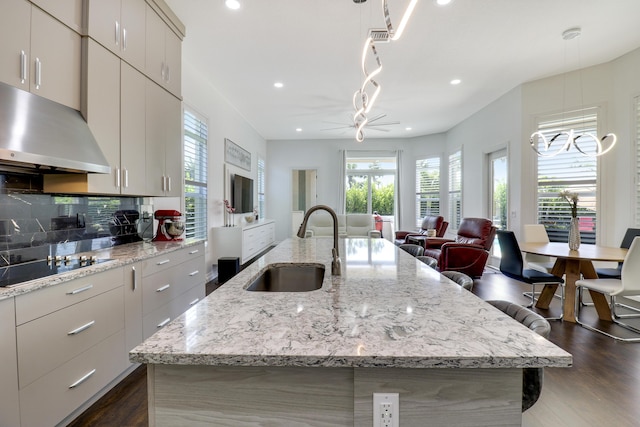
(39, 303)
(51, 398)
(161, 316)
(49, 341)
(162, 287)
(162, 262)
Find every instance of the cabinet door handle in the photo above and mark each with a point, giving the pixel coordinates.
(194, 301)
(193, 273)
(162, 72)
(117, 177)
(124, 39)
(23, 66)
(78, 290)
(125, 179)
(38, 73)
(163, 288)
(117, 33)
(195, 251)
(83, 379)
(164, 322)
(163, 262)
(135, 278)
(168, 74)
(81, 328)
(168, 183)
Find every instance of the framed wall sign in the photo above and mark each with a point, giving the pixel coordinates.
(236, 155)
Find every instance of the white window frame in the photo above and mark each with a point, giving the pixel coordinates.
(569, 170)
(455, 189)
(195, 141)
(427, 191)
(261, 188)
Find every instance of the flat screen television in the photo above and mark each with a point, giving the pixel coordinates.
(241, 193)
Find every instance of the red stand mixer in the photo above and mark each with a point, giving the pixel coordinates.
(170, 225)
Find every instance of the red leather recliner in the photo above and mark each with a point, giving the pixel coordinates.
(469, 252)
(428, 222)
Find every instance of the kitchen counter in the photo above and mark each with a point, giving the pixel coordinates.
(119, 256)
(388, 317)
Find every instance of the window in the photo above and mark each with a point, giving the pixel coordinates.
(427, 188)
(370, 184)
(195, 175)
(571, 171)
(261, 184)
(455, 189)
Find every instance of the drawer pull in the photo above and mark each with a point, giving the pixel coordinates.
(194, 301)
(82, 289)
(135, 278)
(163, 262)
(83, 379)
(164, 322)
(193, 273)
(194, 252)
(163, 288)
(81, 328)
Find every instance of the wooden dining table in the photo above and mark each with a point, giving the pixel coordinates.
(573, 264)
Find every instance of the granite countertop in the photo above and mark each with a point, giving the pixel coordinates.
(119, 256)
(386, 310)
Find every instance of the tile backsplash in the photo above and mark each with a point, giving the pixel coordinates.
(34, 225)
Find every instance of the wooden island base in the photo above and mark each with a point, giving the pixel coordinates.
(186, 395)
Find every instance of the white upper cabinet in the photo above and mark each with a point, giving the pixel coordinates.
(119, 25)
(39, 53)
(69, 12)
(163, 53)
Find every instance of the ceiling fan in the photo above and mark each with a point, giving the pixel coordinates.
(373, 124)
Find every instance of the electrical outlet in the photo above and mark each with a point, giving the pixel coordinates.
(386, 410)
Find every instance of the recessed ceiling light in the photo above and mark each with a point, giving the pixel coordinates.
(298, 129)
(408, 128)
(232, 4)
(278, 85)
(443, 2)
(455, 82)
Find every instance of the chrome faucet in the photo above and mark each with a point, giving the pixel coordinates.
(335, 255)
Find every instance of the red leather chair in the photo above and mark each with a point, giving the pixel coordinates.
(428, 222)
(469, 252)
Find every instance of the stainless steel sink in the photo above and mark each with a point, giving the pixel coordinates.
(289, 277)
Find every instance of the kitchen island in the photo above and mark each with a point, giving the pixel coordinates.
(388, 324)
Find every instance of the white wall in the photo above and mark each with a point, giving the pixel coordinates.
(324, 155)
(224, 122)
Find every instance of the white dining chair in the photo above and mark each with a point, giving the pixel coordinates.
(536, 233)
(627, 285)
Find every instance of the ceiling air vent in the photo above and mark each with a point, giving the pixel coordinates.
(379, 35)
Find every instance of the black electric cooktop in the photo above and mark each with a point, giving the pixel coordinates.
(19, 273)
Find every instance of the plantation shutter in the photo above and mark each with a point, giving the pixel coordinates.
(455, 189)
(568, 171)
(195, 174)
(427, 188)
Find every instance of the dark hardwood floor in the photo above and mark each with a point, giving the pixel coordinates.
(601, 389)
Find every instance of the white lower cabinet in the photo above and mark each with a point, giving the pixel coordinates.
(9, 406)
(243, 242)
(171, 284)
(62, 345)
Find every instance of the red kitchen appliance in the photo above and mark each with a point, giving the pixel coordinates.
(170, 225)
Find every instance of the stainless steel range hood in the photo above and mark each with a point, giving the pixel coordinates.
(39, 135)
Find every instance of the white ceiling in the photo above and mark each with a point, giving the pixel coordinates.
(314, 48)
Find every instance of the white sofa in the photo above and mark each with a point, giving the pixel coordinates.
(320, 223)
